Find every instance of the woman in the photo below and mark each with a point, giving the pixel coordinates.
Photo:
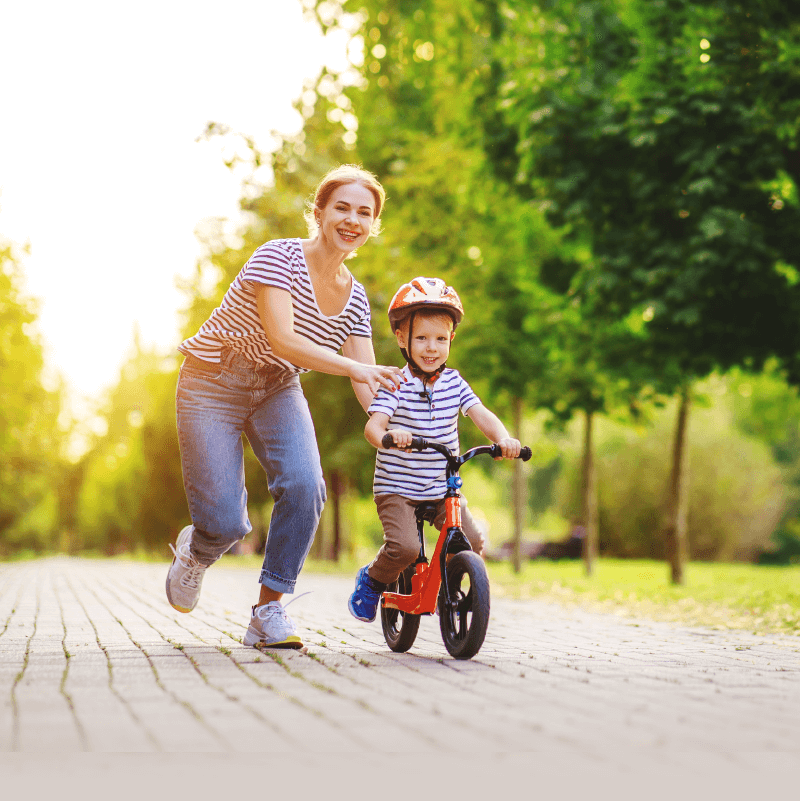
(290, 309)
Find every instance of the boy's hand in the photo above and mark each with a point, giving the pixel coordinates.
(402, 439)
(510, 448)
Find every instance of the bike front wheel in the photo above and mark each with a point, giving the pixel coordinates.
(464, 615)
(400, 628)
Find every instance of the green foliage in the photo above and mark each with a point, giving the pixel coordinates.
(131, 492)
(736, 492)
(767, 408)
(679, 172)
(617, 215)
(30, 440)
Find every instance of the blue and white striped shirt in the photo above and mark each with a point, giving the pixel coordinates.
(235, 323)
(421, 475)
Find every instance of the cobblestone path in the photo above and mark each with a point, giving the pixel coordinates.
(92, 658)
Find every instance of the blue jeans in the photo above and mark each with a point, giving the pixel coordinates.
(216, 404)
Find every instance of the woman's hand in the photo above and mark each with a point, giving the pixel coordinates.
(376, 376)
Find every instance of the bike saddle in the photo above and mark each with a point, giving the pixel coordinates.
(426, 511)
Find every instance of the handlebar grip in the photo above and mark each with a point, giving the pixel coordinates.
(524, 454)
(417, 443)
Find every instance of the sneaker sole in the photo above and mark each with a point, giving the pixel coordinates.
(294, 643)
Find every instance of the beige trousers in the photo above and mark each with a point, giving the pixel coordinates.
(400, 541)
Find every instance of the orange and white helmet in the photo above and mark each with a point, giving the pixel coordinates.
(424, 293)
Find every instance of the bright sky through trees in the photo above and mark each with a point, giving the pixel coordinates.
(99, 168)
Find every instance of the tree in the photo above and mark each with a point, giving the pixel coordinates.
(422, 82)
(30, 441)
(130, 494)
(673, 153)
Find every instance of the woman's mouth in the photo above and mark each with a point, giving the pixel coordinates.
(348, 236)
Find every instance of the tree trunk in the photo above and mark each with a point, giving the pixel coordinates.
(518, 492)
(678, 492)
(589, 497)
(337, 490)
(317, 547)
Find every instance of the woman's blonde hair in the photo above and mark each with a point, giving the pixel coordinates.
(340, 176)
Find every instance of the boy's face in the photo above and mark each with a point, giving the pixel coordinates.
(430, 345)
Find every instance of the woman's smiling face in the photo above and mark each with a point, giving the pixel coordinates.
(345, 221)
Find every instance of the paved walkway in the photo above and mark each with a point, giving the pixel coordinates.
(92, 658)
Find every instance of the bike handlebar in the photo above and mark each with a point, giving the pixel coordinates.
(421, 444)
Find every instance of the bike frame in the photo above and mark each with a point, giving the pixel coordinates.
(428, 577)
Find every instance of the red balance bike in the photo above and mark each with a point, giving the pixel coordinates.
(455, 580)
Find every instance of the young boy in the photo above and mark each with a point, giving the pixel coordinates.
(424, 315)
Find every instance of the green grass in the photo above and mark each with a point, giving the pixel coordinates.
(763, 599)
(759, 598)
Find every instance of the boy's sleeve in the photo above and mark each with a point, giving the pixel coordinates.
(385, 402)
(468, 398)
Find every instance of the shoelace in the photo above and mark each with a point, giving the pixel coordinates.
(371, 592)
(266, 612)
(279, 609)
(194, 570)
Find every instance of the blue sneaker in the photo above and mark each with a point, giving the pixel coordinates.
(363, 603)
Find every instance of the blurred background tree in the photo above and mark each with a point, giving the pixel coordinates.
(665, 136)
(30, 439)
(612, 189)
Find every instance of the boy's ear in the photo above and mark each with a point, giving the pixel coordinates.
(452, 335)
(401, 338)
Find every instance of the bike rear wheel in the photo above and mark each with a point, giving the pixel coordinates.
(464, 615)
(400, 628)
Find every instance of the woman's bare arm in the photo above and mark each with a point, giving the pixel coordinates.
(360, 349)
(277, 318)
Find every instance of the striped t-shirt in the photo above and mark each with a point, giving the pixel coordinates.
(421, 475)
(235, 323)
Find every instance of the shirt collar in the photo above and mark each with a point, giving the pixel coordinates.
(417, 381)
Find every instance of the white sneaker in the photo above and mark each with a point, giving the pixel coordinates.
(185, 574)
(271, 627)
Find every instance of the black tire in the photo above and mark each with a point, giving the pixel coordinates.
(465, 618)
(400, 628)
